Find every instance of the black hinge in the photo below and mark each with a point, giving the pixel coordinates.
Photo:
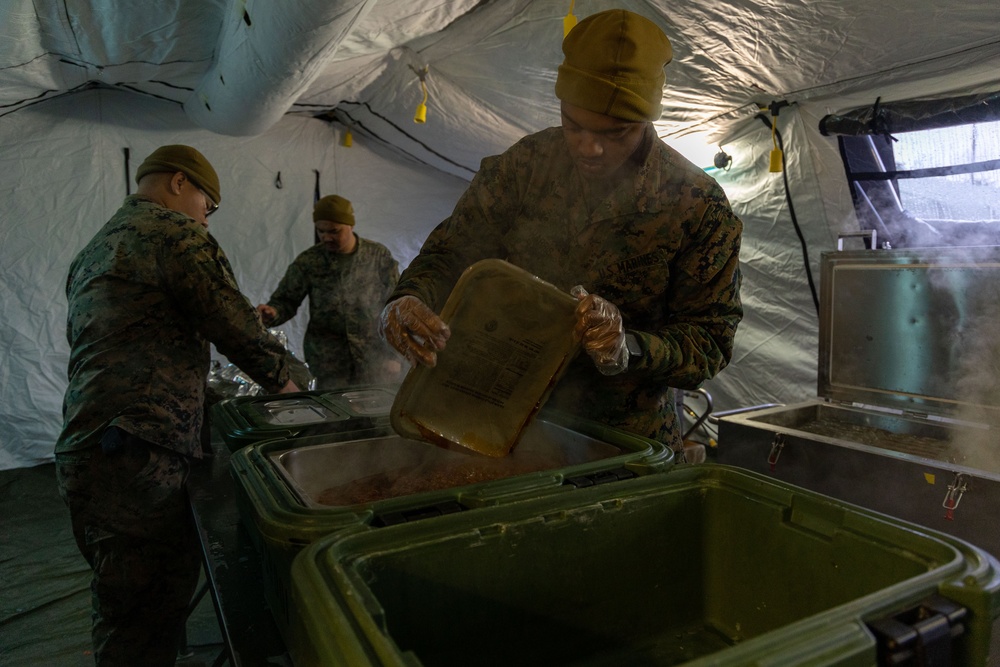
(922, 636)
(417, 513)
(602, 477)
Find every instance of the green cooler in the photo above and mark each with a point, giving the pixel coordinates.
(248, 419)
(293, 492)
(704, 565)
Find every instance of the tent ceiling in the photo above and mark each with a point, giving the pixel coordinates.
(237, 66)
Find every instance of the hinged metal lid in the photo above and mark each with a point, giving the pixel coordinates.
(916, 330)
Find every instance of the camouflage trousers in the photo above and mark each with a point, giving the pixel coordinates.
(131, 521)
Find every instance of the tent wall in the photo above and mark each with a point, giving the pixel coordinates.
(63, 175)
(774, 360)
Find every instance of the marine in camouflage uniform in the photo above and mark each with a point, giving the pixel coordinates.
(658, 239)
(346, 292)
(147, 296)
(662, 246)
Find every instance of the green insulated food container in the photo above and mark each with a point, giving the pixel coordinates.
(249, 419)
(293, 492)
(704, 565)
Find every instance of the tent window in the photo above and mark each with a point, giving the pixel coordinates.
(921, 176)
(972, 196)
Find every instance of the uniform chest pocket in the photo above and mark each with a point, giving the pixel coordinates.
(636, 283)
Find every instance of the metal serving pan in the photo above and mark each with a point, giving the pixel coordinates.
(380, 468)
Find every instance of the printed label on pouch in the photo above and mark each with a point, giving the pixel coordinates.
(490, 368)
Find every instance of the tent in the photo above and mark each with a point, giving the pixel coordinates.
(292, 98)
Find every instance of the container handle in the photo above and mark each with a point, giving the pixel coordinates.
(873, 233)
(776, 446)
(954, 496)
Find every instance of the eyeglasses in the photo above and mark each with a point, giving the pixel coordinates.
(212, 206)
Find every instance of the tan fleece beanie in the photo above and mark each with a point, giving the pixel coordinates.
(614, 66)
(184, 159)
(335, 209)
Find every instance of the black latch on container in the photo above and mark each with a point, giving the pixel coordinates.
(602, 477)
(417, 513)
(922, 636)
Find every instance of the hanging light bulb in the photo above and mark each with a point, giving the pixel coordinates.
(569, 21)
(348, 138)
(775, 166)
(777, 159)
(421, 114)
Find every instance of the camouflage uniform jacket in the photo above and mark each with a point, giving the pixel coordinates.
(346, 294)
(662, 245)
(146, 296)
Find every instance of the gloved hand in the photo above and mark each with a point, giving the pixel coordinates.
(413, 329)
(266, 313)
(599, 326)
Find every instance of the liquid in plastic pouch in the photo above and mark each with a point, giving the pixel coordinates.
(511, 340)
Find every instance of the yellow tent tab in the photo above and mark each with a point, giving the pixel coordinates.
(929, 476)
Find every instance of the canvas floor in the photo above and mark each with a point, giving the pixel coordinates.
(44, 582)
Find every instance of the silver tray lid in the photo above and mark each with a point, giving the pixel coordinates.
(916, 330)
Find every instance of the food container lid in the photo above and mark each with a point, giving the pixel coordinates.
(247, 419)
(301, 410)
(296, 412)
(511, 340)
(913, 330)
(367, 401)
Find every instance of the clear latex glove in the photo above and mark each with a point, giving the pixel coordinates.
(599, 326)
(413, 329)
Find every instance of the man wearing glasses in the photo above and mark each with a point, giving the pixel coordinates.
(147, 296)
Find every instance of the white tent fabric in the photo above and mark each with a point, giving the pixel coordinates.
(64, 175)
(264, 88)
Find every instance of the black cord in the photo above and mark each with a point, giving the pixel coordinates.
(316, 197)
(791, 208)
(398, 129)
(128, 182)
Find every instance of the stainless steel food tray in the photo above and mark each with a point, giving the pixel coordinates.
(373, 469)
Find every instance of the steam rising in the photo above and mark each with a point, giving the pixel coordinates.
(977, 346)
(917, 332)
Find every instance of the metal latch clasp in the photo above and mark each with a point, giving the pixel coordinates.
(954, 496)
(777, 444)
(873, 234)
(922, 636)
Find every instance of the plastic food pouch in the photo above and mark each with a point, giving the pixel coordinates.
(511, 340)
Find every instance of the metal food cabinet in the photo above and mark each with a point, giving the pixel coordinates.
(906, 421)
